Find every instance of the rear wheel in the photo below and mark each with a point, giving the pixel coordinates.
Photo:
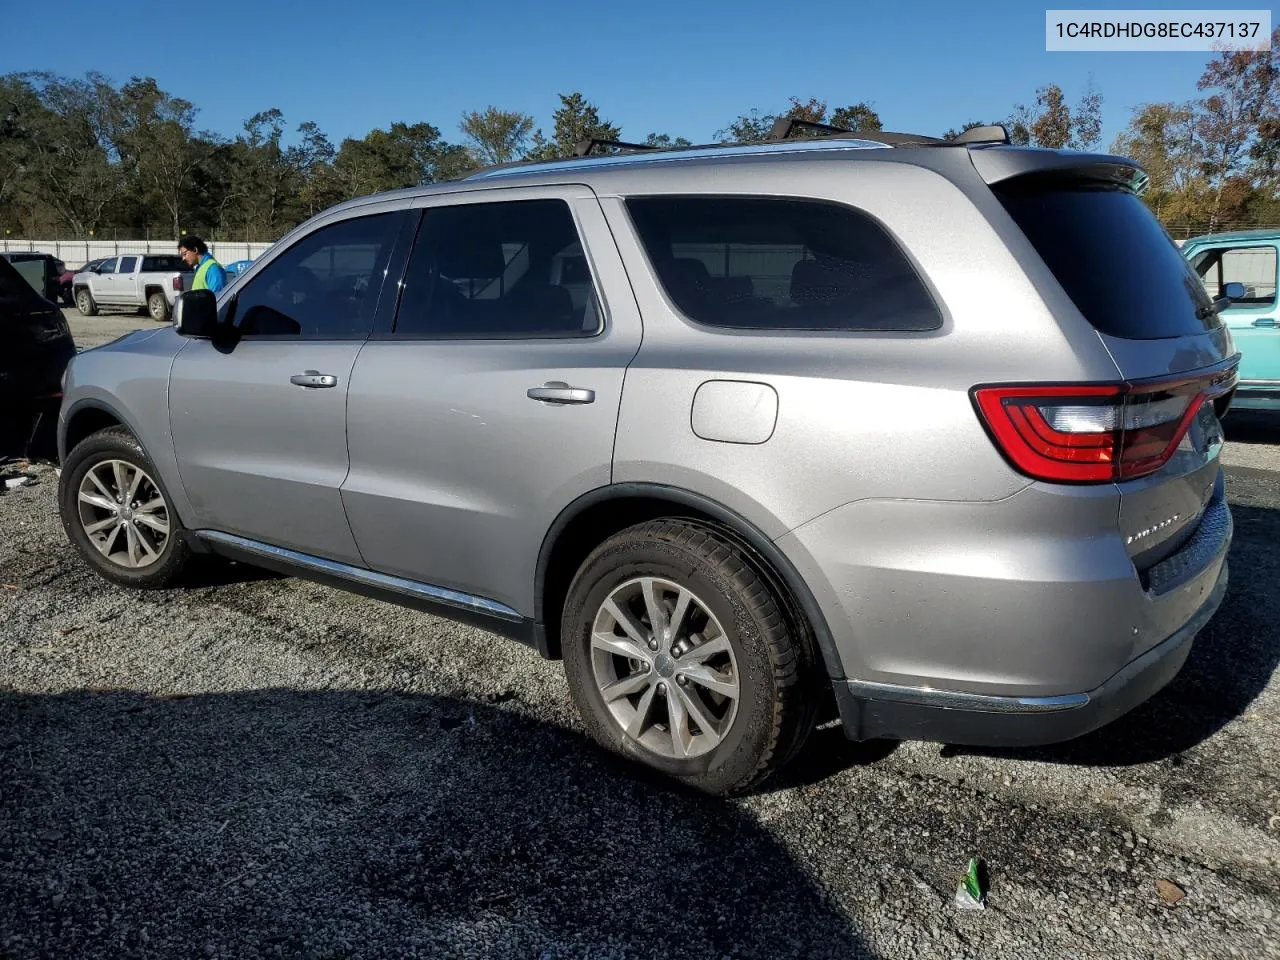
(679, 655)
(85, 303)
(118, 514)
(158, 306)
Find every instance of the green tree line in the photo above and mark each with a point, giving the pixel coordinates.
(81, 156)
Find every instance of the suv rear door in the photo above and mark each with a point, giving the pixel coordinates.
(493, 401)
(259, 426)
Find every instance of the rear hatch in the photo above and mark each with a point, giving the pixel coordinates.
(1156, 431)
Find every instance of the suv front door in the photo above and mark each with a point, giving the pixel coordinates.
(492, 402)
(1254, 321)
(259, 427)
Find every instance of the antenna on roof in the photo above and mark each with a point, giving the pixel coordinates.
(584, 147)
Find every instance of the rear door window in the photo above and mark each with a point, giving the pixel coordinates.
(781, 264)
(128, 264)
(1115, 261)
(511, 270)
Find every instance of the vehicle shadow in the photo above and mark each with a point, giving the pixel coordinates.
(327, 824)
(1252, 426)
(1231, 663)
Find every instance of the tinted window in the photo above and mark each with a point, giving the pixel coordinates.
(1113, 258)
(781, 264)
(108, 266)
(128, 264)
(510, 270)
(1255, 267)
(325, 286)
(163, 264)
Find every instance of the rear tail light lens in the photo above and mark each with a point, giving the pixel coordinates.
(1096, 433)
(177, 284)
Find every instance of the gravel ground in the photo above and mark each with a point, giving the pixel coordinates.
(105, 327)
(255, 766)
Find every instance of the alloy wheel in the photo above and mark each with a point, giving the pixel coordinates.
(123, 513)
(664, 667)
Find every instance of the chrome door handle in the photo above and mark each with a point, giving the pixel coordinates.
(560, 392)
(313, 378)
(1266, 322)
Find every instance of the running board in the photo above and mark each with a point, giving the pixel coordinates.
(452, 604)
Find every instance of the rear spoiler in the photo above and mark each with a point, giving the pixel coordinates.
(996, 165)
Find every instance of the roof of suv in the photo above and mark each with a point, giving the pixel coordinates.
(995, 158)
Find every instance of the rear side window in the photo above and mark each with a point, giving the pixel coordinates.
(163, 264)
(128, 264)
(781, 264)
(1112, 257)
(1253, 266)
(511, 270)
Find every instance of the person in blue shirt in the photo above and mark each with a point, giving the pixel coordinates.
(209, 273)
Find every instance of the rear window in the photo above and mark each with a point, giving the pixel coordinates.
(1113, 258)
(162, 264)
(781, 264)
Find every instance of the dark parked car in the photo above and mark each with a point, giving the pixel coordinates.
(35, 348)
(43, 271)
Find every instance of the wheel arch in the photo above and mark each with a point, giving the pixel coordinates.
(588, 520)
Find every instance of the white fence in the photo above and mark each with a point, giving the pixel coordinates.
(76, 252)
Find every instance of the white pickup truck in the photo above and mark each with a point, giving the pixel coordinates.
(151, 280)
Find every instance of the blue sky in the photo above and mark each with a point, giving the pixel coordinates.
(684, 68)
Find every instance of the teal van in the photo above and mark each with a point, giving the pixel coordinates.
(1247, 257)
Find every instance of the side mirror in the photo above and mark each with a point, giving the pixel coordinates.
(195, 313)
(1234, 290)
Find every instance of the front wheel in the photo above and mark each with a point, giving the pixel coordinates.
(118, 515)
(678, 655)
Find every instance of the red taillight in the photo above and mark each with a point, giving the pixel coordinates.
(1096, 433)
(177, 284)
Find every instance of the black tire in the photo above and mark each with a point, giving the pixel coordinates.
(116, 443)
(85, 302)
(158, 306)
(779, 696)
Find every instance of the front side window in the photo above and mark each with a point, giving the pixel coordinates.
(108, 266)
(324, 287)
(781, 264)
(1255, 267)
(509, 270)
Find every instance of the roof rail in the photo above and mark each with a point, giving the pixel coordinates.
(584, 147)
(784, 127)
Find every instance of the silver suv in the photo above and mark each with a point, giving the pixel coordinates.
(932, 426)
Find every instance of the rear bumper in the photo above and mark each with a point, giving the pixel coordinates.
(876, 710)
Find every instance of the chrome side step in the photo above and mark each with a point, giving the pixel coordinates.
(410, 589)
